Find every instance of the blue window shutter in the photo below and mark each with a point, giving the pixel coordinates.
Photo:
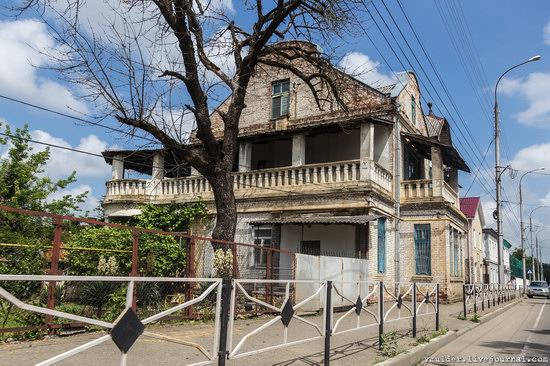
(382, 245)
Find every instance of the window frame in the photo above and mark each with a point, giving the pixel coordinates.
(381, 245)
(260, 255)
(423, 230)
(281, 94)
(413, 109)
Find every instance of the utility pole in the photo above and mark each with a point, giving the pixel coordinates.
(498, 173)
(522, 229)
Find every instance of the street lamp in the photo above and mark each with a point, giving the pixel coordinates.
(538, 251)
(533, 254)
(497, 170)
(522, 229)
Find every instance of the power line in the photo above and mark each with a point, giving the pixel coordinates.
(427, 90)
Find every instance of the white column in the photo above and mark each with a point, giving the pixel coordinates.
(158, 166)
(298, 150)
(118, 167)
(245, 156)
(366, 150)
(437, 171)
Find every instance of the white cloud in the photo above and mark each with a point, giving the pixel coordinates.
(546, 34)
(365, 69)
(63, 162)
(535, 89)
(21, 45)
(532, 157)
(89, 204)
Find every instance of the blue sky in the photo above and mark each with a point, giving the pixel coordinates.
(503, 34)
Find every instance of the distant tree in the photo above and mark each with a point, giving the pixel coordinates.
(23, 184)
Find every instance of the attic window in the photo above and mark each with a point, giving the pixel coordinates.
(279, 98)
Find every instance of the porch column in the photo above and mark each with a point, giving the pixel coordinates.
(158, 166)
(437, 171)
(245, 156)
(298, 150)
(366, 150)
(118, 167)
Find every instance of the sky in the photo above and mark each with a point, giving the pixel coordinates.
(470, 43)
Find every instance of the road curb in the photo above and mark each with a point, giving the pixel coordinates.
(417, 354)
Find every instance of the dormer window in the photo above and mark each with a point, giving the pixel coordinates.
(279, 98)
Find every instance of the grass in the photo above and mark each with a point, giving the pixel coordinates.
(475, 318)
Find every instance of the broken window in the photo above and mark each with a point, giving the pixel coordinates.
(280, 91)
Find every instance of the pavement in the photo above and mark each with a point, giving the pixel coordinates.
(359, 347)
(519, 335)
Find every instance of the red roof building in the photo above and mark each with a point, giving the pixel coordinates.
(469, 206)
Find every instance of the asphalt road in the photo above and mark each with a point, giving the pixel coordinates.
(519, 336)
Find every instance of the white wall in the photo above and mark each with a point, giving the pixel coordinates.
(337, 269)
(333, 237)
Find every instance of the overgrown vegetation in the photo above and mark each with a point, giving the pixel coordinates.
(26, 241)
(389, 346)
(475, 318)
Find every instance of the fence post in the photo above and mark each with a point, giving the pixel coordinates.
(190, 273)
(482, 297)
(494, 300)
(475, 299)
(235, 263)
(268, 266)
(414, 308)
(328, 322)
(437, 307)
(227, 287)
(135, 260)
(54, 267)
(489, 295)
(381, 313)
(464, 299)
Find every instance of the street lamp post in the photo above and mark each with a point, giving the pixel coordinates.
(524, 274)
(533, 253)
(538, 251)
(497, 171)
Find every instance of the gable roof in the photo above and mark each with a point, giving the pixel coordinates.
(469, 205)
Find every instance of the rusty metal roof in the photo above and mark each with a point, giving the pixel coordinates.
(319, 219)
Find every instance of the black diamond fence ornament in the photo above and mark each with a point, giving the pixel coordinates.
(287, 313)
(358, 305)
(399, 301)
(428, 297)
(127, 330)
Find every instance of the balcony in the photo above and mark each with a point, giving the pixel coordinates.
(258, 183)
(422, 190)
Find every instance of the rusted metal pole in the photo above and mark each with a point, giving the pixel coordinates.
(190, 273)
(135, 262)
(54, 266)
(235, 268)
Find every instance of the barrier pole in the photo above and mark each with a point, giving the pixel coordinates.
(328, 322)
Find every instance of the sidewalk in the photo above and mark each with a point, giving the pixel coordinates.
(353, 348)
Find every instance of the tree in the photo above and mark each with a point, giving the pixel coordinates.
(202, 54)
(24, 185)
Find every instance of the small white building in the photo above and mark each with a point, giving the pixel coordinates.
(490, 241)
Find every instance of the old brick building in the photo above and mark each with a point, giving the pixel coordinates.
(371, 181)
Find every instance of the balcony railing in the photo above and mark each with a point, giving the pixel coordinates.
(266, 181)
(422, 190)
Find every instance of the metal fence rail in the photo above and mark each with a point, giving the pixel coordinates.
(481, 295)
(125, 330)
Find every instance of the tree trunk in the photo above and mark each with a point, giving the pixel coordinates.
(226, 208)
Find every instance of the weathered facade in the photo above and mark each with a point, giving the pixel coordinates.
(371, 181)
